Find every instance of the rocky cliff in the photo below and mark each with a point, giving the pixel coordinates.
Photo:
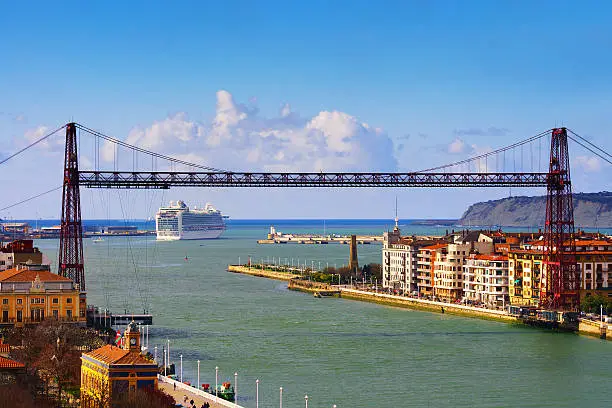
(590, 210)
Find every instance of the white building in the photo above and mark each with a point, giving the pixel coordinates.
(448, 265)
(399, 261)
(485, 280)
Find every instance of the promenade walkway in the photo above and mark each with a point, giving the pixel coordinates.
(198, 396)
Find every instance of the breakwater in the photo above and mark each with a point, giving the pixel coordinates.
(262, 272)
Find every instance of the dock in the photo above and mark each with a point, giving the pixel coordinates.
(100, 318)
(198, 396)
(277, 237)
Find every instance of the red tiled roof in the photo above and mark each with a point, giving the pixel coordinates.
(110, 354)
(490, 257)
(10, 363)
(434, 247)
(27, 275)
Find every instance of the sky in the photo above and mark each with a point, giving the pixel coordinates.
(299, 86)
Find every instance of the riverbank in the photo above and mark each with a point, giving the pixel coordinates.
(585, 327)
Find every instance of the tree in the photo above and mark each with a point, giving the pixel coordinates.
(592, 304)
(373, 270)
(52, 350)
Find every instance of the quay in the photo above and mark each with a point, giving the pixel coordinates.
(199, 397)
(103, 318)
(277, 237)
(266, 271)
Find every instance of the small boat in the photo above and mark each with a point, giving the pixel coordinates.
(97, 240)
(317, 295)
(224, 391)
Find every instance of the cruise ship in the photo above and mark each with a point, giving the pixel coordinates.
(177, 221)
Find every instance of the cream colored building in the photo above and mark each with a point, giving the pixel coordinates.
(485, 280)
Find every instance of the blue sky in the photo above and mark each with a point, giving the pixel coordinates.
(480, 74)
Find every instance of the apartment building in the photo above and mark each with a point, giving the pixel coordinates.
(527, 269)
(448, 265)
(399, 260)
(485, 280)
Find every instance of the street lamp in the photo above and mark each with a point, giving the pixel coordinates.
(155, 355)
(181, 356)
(216, 382)
(281, 397)
(198, 374)
(306, 399)
(257, 393)
(168, 352)
(236, 387)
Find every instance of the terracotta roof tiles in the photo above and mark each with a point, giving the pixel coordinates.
(10, 363)
(110, 354)
(27, 275)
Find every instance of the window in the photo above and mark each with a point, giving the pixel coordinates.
(5, 301)
(5, 317)
(55, 301)
(69, 314)
(19, 301)
(19, 316)
(68, 300)
(56, 314)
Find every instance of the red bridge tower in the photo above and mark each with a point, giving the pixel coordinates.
(561, 282)
(71, 234)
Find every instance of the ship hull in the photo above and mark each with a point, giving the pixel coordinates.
(212, 233)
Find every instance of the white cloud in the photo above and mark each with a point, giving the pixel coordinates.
(54, 143)
(238, 138)
(456, 146)
(588, 164)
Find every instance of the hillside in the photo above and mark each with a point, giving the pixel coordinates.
(590, 210)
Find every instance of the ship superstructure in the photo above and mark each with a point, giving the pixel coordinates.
(177, 221)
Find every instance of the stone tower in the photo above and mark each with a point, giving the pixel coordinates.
(353, 262)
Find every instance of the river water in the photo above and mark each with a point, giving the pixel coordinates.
(336, 351)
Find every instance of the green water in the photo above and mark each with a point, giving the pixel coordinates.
(336, 351)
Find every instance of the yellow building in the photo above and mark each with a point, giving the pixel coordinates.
(31, 293)
(526, 269)
(110, 371)
(524, 276)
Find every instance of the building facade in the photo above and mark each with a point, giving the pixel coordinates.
(399, 261)
(18, 252)
(426, 263)
(485, 280)
(30, 294)
(448, 264)
(527, 271)
(111, 372)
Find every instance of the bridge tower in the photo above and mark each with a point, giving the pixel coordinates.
(70, 262)
(561, 282)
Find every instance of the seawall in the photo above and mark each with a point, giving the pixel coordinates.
(264, 273)
(323, 289)
(426, 305)
(595, 329)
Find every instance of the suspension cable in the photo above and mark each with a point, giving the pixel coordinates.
(31, 198)
(591, 150)
(141, 150)
(31, 145)
(503, 149)
(589, 143)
